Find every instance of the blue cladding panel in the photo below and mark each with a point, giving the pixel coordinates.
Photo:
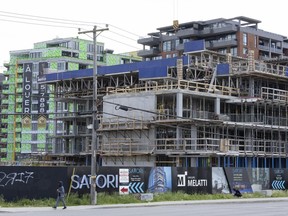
(196, 45)
(145, 73)
(147, 69)
(222, 69)
(157, 68)
(286, 72)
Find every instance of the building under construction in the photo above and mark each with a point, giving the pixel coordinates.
(203, 109)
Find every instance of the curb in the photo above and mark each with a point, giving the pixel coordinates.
(148, 204)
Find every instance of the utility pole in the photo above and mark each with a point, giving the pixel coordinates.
(94, 143)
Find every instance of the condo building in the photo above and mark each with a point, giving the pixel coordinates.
(236, 36)
(28, 107)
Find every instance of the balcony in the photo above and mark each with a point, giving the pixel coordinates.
(216, 31)
(187, 33)
(149, 41)
(220, 44)
(149, 53)
(263, 47)
(180, 47)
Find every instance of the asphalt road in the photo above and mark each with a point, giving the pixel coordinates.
(243, 207)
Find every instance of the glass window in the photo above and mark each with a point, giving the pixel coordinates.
(89, 57)
(35, 67)
(167, 46)
(177, 42)
(233, 51)
(245, 51)
(100, 49)
(35, 55)
(90, 47)
(34, 86)
(73, 45)
(34, 137)
(61, 66)
(34, 126)
(245, 39)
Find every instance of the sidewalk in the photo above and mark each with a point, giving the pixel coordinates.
(192, 202)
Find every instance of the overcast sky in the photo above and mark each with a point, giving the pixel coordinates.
(128, 19)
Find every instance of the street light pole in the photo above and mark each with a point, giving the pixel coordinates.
(94, 143)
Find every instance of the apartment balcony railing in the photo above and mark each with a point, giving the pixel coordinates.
(221, 30)
(150, 41)
(220, 44)
(147, 53)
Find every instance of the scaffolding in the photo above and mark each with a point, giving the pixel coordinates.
(218, 110)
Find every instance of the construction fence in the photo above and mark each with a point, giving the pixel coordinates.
(17, 182)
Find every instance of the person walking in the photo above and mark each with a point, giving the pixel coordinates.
(60, 195)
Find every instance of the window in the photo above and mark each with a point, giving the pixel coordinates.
(223, 51)
(75, 55)
(177, 42)
(100, 49)
(34, 126)
(245, 39)
(65, 53)
(35, 76)
(90, 47)
(245, 51)
(34, 86)
(35, 67)
(34, 137)
(167, 46)
(233, 51)
(61, 66)
(34, 107)
(73, 45)
(35, 55)
(89, 57)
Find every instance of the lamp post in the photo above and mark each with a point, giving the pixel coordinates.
(94, 142)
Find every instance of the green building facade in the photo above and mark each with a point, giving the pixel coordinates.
(27, 107)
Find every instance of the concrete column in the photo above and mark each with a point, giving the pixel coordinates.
(217, 106)
(179, 111)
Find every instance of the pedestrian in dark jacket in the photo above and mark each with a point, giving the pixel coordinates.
(60, 195)
(237, 193)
